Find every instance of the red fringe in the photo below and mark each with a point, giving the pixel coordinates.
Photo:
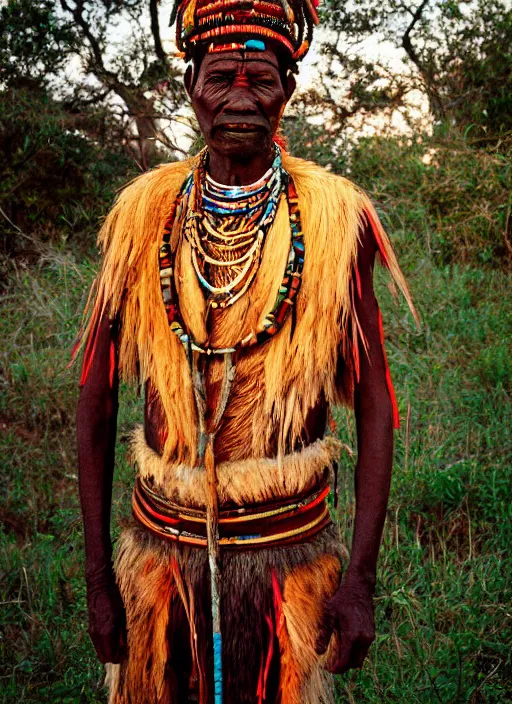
(389, 382)
(261, 692)
(278, 603)
(112, 363)
(376, 233)
(358, 281)
(89, 355)
(356, 335)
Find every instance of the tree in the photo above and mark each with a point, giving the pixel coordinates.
(34, 43)
(55, 182)
(457, 53)
(79, 112)
(134, 79)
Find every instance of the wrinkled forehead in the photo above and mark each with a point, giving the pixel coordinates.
(250, 59)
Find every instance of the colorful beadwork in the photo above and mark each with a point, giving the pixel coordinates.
(223, 23)
(249, 45)
(228, 236)
(243, 29)
(269, 524)
(292, 278)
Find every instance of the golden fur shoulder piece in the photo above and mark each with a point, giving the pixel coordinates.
(301, 362)
(366, 214)
(128, 286)
(135, 223)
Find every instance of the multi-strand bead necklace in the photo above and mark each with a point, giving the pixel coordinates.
(226, 228)
(227, 240)
(192, 202)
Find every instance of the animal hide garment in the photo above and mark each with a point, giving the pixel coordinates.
(277, 384)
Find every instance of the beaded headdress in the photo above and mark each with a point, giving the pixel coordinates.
(231, 25)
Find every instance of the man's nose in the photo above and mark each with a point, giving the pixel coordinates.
(241, 101)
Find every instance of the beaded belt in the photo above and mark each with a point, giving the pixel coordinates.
(261, 525)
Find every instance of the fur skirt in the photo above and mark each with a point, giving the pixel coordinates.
(272, 602)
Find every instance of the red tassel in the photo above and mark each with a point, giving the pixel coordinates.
(278, 603)
(270, 652)
(376, 233)
(112, 363)
(75, 349)
(358, 281)
(389, 382)
(89, 355)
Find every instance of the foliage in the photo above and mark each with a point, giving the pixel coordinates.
(445, 192)
(55, 182)
(44, 648)
(443, 598)
(457, 52)
(74, 44)
(65, 145)
(34, 42)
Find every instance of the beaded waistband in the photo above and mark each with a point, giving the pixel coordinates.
(260, 525)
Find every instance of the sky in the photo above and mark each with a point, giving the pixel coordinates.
(307, 77)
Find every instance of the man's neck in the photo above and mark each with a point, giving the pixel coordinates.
(239, 172)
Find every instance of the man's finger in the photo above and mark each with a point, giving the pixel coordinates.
(325, 631)
(341, 662)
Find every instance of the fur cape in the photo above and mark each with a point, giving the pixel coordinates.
(278, 383)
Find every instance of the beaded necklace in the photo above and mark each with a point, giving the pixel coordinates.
(227, 239)
(236, 219)
(189, 198)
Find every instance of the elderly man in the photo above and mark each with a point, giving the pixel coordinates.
(237, 288)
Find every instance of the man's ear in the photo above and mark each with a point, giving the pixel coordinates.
(189, 80)
(290, 85)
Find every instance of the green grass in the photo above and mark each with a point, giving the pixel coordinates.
(443, 596)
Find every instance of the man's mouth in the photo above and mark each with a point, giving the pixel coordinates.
(240, 127)
(228, 123)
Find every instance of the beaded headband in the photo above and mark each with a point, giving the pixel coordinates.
(234, 25)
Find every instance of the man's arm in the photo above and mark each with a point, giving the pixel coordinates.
(350, 612)
(96, 422)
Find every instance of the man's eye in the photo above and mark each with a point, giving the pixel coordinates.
(267, 81)
(220, 78)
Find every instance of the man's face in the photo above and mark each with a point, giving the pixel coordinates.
(238, 98)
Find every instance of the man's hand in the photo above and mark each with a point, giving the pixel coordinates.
(107, 618)
(350, 615)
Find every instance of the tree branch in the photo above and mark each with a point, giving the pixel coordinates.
(406, 39)
(77, 14)
(436, 104)
(155, 30)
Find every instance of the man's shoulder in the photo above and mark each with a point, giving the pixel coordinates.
(164, 177)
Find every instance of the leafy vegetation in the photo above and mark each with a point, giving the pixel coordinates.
(55, 181)
(456, 53)
(444, 595)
